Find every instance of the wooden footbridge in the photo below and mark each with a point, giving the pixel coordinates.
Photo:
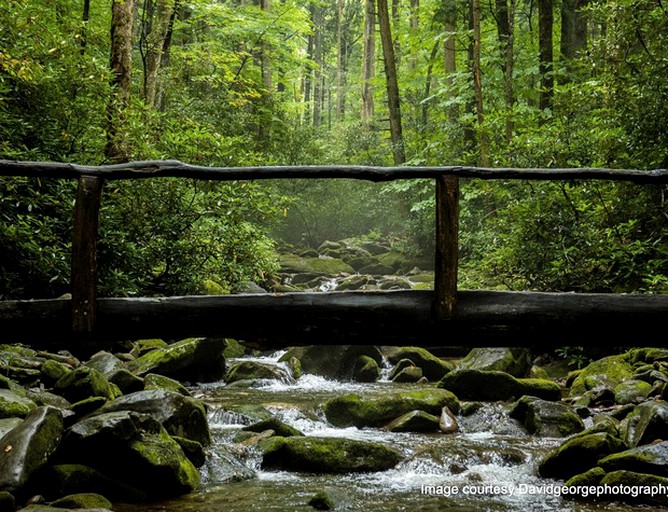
(445, 317)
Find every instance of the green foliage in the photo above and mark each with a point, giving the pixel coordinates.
(575, 356)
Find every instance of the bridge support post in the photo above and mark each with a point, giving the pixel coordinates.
(84, 254)
(447, 247)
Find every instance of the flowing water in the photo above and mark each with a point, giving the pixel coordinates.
(490, 465)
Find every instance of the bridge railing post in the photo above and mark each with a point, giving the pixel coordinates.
(447, 247)
(84, 254)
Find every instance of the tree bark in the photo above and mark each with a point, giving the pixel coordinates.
(393, 101)
(450, 55)
(318, 92)
(505, 28)
(573, 29)
(483, 144)
(545, 50)
(156, 45)
(368, 63)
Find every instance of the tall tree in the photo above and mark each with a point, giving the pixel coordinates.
(483, 145)
(573, 29)
(368, 62)
(546, 53)
(393, 101)
(505, 28)
(157, 23)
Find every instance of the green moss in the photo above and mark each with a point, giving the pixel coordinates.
(365, 369)
(280, 428)
(84, 407)
(591, 477)
(155, 381)
(321, 501)
(83, 500)
(14, 405)
(638, 481)
(85, 382)
(647, 355)
(494, 385)
(611, 370)
(651, 459)
(53, 370)
(414, 421)
(434, 368)
(233, 348)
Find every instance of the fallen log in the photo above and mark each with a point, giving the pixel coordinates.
(485, 318)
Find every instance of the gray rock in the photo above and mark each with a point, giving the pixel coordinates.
(514, 361)
(647, 423)
(650, 459)
(546, 419)
(414, 421)
(13, 404)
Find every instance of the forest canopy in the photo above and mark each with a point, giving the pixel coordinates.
(519, 83)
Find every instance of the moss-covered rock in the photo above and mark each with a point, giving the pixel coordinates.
(647, 355)
(355, 410)
(141, 347)
(512, 360)
(280, 428)
(87, 406)
(293, 264)
(155, 381)
(254, 370)
(651, 459)
(609, 371)
(7, 424)
(193, 450)
(192, 359)
(83, 383)
(432, 367)
(647, 423)
(28, 447)
(14, 405)
(52, 371)
(649, 484)
(632, 391)
(365, 369)
(546, 419)
(331, 361)
(414, 421)
(321, 501)
(408, 374)
(578, 454)
(7, 502)
(586, 479)
(84, 500)
(104, 362)
(493, 385)
(126, 381)
(327, 455)
(233, 349)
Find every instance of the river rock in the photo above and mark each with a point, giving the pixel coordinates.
(432, 367)
(105, 363)
(637, 481)
(83, 383)
(376, 411)
(332, 361)
(578, 454)
(414, 421)
(632, 391)
(365, 369)
(609, 372)
(86, 500)
(280, 428)
(27, 447)
(12, 404)
(52, 371)
(650, 458)
(647, 423)
(192, 359)
(546, 419)
(134, 448)
(586, 479)
(447, 422)
(155, 381)
(7, 502)
(181, 415)
(141, 347)
(410, 373)
(66, 479)
(254, 370)
(327, 455)
(512, 360)
(126, 381)
(7, 424)
(493, 385)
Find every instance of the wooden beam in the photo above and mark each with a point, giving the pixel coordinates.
(447, 247)
(485, 318)
(173, 168)
(84, 254)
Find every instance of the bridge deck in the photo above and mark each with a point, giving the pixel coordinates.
(485, 318)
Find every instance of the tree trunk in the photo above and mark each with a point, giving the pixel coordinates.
(505, 24)
(396, 135)
(84, 25)
(340, 61)
(122, 24)
(155, 47)
(368, 63)
(450, 55)
(545, 25)
(477, 85)
(573, 29)
(308, 77)
(319, 61)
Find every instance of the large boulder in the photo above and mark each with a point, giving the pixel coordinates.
(26, 448)
(254, 370)
(332, 361)
(512, 360)
(355, 410)
(651, 459)
(327, 455)
(432, 367)
(578, 454)
(12, 404)
(636, 481)
(133, 448)
(546, 419)
(192, 359)
(181, 415)
(414, 421)
(83, 383)
(647, 423)
(493, 385)
(632, 391)
(607, 372)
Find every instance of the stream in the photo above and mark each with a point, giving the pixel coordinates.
(490, 464)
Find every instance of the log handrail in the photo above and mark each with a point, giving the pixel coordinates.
(84, 302)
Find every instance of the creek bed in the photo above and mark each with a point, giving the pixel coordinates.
(490, 464)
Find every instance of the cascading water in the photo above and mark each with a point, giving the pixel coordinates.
(489, 465)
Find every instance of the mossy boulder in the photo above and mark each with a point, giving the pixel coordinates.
(647, 423)
(7, 424)
(83, 383)
(647, 355)
(512, 360)
(365, 369)
(192, 359)
(141, 347)
(233, 348)
(293, 264)
(104, 362)
(494, 385)
(126, 381)
(546, 419)
(414, 421)
(637, 481)
(432, 367)
(578, 454)
(155, 381)
(332, 361)
(52, 371)
(12, 404)
(408, 374)
(356, 410)
(650, 458)
(609, 371)
(280, 428)
(632, 391)
(134, 448)
(7, 502)
(327, 455)
(29, 446)
(254, 370)
(181, 415)
(86, 500)
(586, 479)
